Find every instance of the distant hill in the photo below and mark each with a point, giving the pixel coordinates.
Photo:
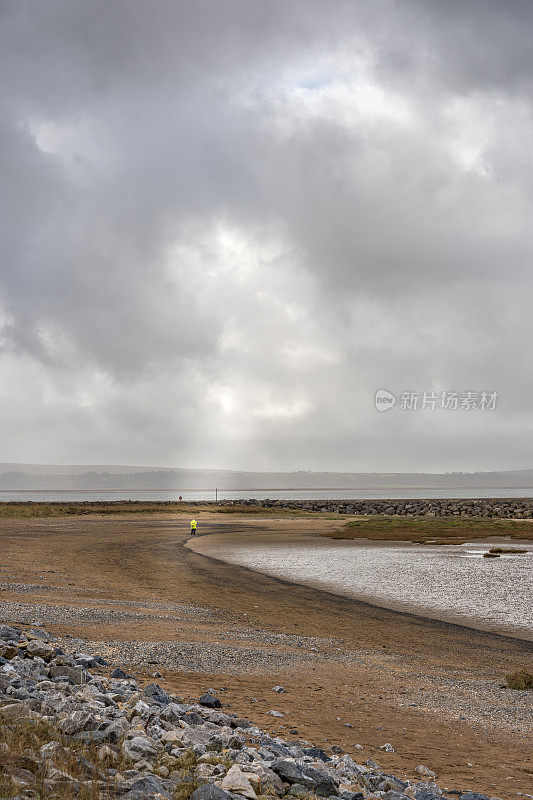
(33, 477)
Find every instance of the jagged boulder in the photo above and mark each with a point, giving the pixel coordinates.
(38, 648)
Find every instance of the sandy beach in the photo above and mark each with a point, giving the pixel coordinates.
(127, 586)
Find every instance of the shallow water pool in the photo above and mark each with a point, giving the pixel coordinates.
(453, 582)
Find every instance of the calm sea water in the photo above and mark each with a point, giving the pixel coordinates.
(452, 583)
(56, 496)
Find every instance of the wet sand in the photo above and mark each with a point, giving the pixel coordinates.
(131, 589)
(452, 583)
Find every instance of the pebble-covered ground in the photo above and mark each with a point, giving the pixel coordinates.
(258, 651)
(68, 731)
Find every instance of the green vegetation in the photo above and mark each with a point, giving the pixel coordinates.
(521, 680)
(496, 552)
(38, 509)
(432, 530)
(422, 529)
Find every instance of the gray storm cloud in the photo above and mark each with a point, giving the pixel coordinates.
(226, 225)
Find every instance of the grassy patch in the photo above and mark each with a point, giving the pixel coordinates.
(20, 743)
(431, 530)
(520, 680)
(184, 790)
(499, 550)
(37, 509)
(187, 762)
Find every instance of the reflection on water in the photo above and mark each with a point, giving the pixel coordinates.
(452, 582)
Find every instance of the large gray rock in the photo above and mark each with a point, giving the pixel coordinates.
(9, 634)
(319, 782)
(297, 790)
(12, 712)
(219, 718)
(157, 694)
(38, 633)
(77, 721)
(394, 795)
(149, 785)
(272, 751)
(74, 674)
(86, 661)
(235, 742)
(116, 730)
(205, 771)
(139, 747)
(421, 769)
(210, 701)
(317, 753)
(64, 660)
(371, 780)
(270, 782)
(211, 792)
(236, 781)
(347, 767)
(390, 783)
(172, 713)
(427, 794)
(118, 673)
(473, 796)
(192, 718)
(215, 743)
(40, 649)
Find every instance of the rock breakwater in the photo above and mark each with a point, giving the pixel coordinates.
(68, 732)
(516, 508)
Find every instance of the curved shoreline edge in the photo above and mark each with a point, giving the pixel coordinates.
(189, 544)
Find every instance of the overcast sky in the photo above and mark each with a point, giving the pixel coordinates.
(226, 223)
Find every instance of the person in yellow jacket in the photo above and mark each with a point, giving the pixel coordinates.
(193, 527)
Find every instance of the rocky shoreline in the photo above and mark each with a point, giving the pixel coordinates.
(88, 734)
(498, 507)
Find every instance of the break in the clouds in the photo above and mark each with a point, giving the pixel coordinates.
(225, 225)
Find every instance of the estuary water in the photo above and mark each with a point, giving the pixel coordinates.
(453, 583)
(386, 493)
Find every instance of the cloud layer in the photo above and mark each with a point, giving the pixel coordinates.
(228, 224)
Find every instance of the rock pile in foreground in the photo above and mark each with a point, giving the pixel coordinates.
(67, 733)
